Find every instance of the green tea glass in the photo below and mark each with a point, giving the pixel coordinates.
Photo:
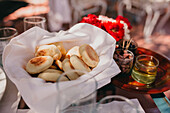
(145, 69)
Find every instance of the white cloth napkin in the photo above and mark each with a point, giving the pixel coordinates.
(121, 107)
(112, 107)
(39, 95)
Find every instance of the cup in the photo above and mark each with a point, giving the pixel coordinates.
(77, 96)
(32, 21)
(6, 34)
(116, 104)
(145, 69)
(124, 59)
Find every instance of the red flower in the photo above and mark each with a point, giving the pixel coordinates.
(115, 29)
(111, 26)
(92, 19)
(105, 19)
(125, 20)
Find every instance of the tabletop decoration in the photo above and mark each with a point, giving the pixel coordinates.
(161, 83)
(40, 96)
(118, 28)
(132, 46)
(145, 69)
(124, 59)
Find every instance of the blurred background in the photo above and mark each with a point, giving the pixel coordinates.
(150, 18)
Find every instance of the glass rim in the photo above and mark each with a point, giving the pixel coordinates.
(75, 70)
(132, 41)
(79, 87)
(116, 97)
(8, 37)
(77, 110)
(152, 57)
(31, 17)
(132, 104)
(128, 51)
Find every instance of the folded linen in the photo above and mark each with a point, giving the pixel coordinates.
(39, 95)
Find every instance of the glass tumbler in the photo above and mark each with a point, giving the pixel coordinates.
(6, 34)
(76, 96)
(145, 69)
(124, 59)
(116, 104)
(32, 21)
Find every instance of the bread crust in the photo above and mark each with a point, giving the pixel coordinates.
(89, 55)
(78, 64)
(49, 50)
(52, 75)
(39, 64)
(60, 46)
(68, 67)
(73, 51)
(59, 64)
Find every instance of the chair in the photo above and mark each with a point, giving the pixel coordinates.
(153, 10)
(164, 19)
(84, 7)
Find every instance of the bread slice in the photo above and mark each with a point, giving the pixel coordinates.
(60, 46)
(53, 67)
(52, 75)
(68, 67)
(73, 51)
(49, 50)
(89, 55)
(78, 64)
(59, 64)
(39, 64)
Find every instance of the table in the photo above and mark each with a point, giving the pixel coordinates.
(11, 94)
